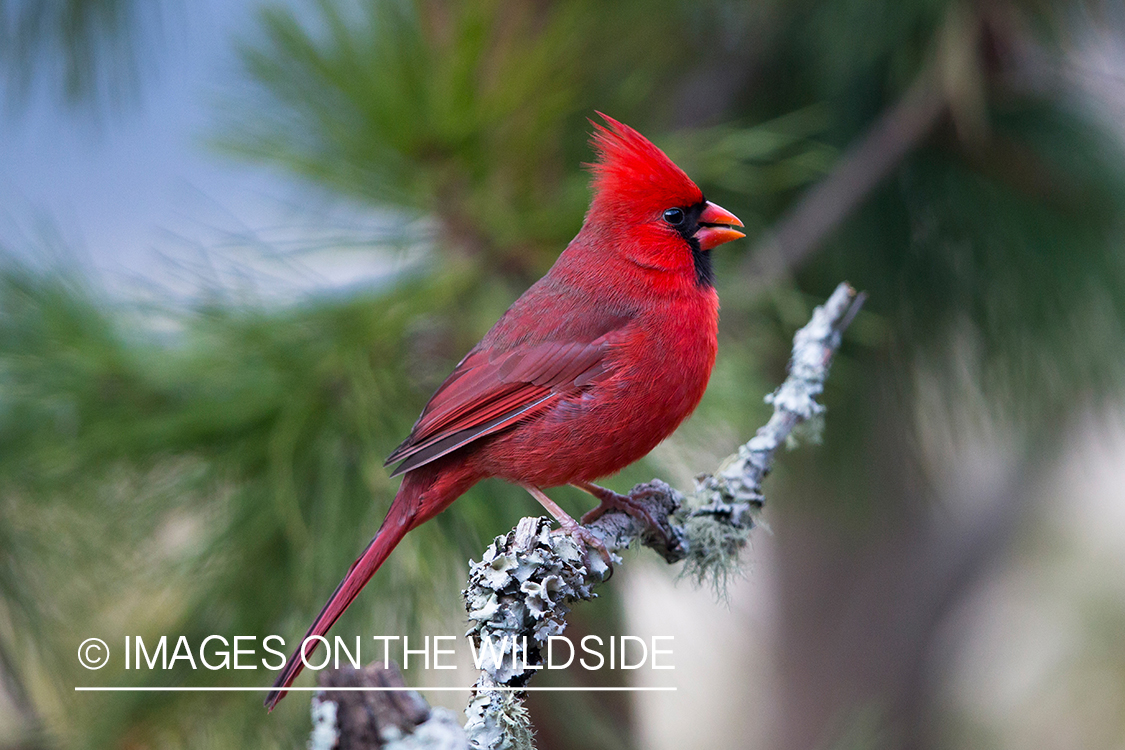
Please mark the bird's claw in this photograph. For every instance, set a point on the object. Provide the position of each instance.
(631, 506)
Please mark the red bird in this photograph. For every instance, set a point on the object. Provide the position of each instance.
(595, 364)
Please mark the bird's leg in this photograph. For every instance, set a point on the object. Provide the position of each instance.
(569, 525)
(611, 500)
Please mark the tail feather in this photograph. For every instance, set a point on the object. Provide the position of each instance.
(399, 521)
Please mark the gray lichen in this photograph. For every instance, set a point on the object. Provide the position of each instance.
(498, 721)
(520, 593)
(518, 596)
(440, 732)
(324, 734)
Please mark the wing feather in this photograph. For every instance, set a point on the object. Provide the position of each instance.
(490, 392)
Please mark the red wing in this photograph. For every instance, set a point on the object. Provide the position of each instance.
(489, 392)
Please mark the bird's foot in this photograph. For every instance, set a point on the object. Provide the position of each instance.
(628, 504)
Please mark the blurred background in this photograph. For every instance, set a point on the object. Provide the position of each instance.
(241, 243)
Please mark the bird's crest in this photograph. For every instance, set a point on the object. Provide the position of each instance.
(631, 172)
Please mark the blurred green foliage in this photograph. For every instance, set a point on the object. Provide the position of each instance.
(219, 475)
(470, 112)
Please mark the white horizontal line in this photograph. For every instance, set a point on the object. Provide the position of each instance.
(151, 689)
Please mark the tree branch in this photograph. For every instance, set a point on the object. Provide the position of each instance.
(949, 85)
(861, 169)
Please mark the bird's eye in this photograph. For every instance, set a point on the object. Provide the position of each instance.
(674, 216)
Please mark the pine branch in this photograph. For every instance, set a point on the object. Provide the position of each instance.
(949, 85)
(521, 591)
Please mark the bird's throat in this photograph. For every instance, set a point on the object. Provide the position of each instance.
(704, 270)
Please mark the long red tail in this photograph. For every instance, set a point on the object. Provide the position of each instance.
(401, 518)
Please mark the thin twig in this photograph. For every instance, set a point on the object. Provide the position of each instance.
(948, 85)
(859, 171)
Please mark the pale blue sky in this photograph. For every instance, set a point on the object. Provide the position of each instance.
(139, 194)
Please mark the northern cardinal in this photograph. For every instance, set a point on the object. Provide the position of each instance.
(595, 364)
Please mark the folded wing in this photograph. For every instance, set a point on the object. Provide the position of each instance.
(490, 392)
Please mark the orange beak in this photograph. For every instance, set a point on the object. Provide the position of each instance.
(716, 226)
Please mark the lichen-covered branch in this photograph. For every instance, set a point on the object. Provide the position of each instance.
(354, 710)
(720, 513)
(521, 591)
